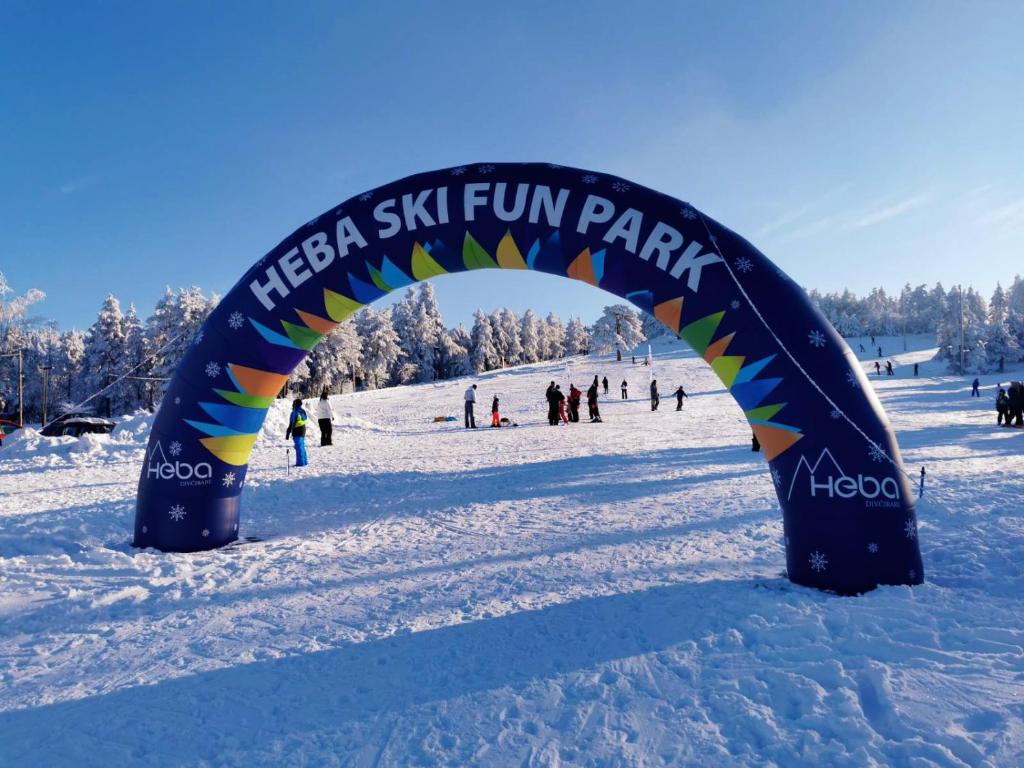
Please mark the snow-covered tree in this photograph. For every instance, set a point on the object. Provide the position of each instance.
(1001, 346)
(483, 354)
(418, 323)
(555, 338)
(380, 346)
(652, 327)
(530, 337)
(173, 327)
(618, 328)
(507, 331)
(105, 357)
(577, 338)
(454, 347)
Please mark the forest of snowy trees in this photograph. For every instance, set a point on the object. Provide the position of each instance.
(409, 342)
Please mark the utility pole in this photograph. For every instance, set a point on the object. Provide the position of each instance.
(45, 370)
(21, 388)
(961, 291)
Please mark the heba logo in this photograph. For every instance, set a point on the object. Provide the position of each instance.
(827, 479)
(160, 468)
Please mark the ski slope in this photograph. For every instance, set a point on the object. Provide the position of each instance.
(591, 595)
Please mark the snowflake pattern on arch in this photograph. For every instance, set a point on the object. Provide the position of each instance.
(228, 480)
(910, 528)
(852, 380)
(174, 448)
(145, 529)
(236, 320)
(206, 532)
(876, 453)
(818, 561)
(212, 369)
(836, 413)
(873, 548)
(366, 196)
(177, 513)
(200, 334)
(776, 477)
(735, 304)
(458, 171)
(743, 264)
(912, 573)
(816, 338)
(620, 186)
(485, 168)
(177, 401)
(589, 178)
(688, 213)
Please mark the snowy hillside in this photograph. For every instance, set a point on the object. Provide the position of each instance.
(593, 595)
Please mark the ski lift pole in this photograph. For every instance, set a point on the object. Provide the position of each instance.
(920, 490)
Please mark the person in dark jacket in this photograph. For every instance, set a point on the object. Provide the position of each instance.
(974, 388)
(655, 399)
(560, 404)
(604, 383)
(1002, 408)
(297, 432)
(888, 368)
(595, 413)
(1015, 410)
(574, 403)
(552, 405)
(624, 386)
(680, 394)
(878, 368)
(915, 369)
(495, 415)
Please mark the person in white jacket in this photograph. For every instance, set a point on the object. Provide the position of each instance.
(323, 418)
(470, 399)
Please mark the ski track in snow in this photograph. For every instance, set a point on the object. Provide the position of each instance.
(597, 595)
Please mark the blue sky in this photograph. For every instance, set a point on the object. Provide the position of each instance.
(856, 144)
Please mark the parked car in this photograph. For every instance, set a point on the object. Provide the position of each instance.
(77, 424)
(7, 427)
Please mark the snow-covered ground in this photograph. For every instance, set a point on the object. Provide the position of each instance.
(600, 594)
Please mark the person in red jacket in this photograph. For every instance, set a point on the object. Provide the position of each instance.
(560, 398)
(495, 416)
(574, 403)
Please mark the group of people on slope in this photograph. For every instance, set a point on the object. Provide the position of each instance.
(563, 410)
(298, 420)
(470, 417)
(1010, 405)
(888, 368)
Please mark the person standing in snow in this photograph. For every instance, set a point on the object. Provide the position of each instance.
(879, 351)
(1002, 408)
(552, 405)
(888, 368)
(604, 383)
(595, 414)
(560, 403)
(495, 415)
(915, 369)
(1015, 406)
(470, 400)
(574, 403)
(878, 368)
(655, 399)
(323, 419)
(974, 388)
(680, 394)
(297, 432)
(624, 386)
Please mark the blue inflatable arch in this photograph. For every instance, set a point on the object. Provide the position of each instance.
(848, 512)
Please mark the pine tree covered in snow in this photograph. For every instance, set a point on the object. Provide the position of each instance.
(105, 358)
(483, 355)
(173, 328)
(454, 346)
(530, 337)
(555, 338)
(577, 338)
(335, 360)
(381, 348)
(618, 328)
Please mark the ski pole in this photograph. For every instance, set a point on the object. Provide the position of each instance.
(287, 460)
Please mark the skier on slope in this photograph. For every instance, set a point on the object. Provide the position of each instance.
(878, 368)
(1002, 408)
(297, 432)
(323, 419)
(604, 383)
(974, 387)
(680, 394)
(655, 398)
(888, 368)
(624, 385)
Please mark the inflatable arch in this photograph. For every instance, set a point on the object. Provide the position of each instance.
(848, 511)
